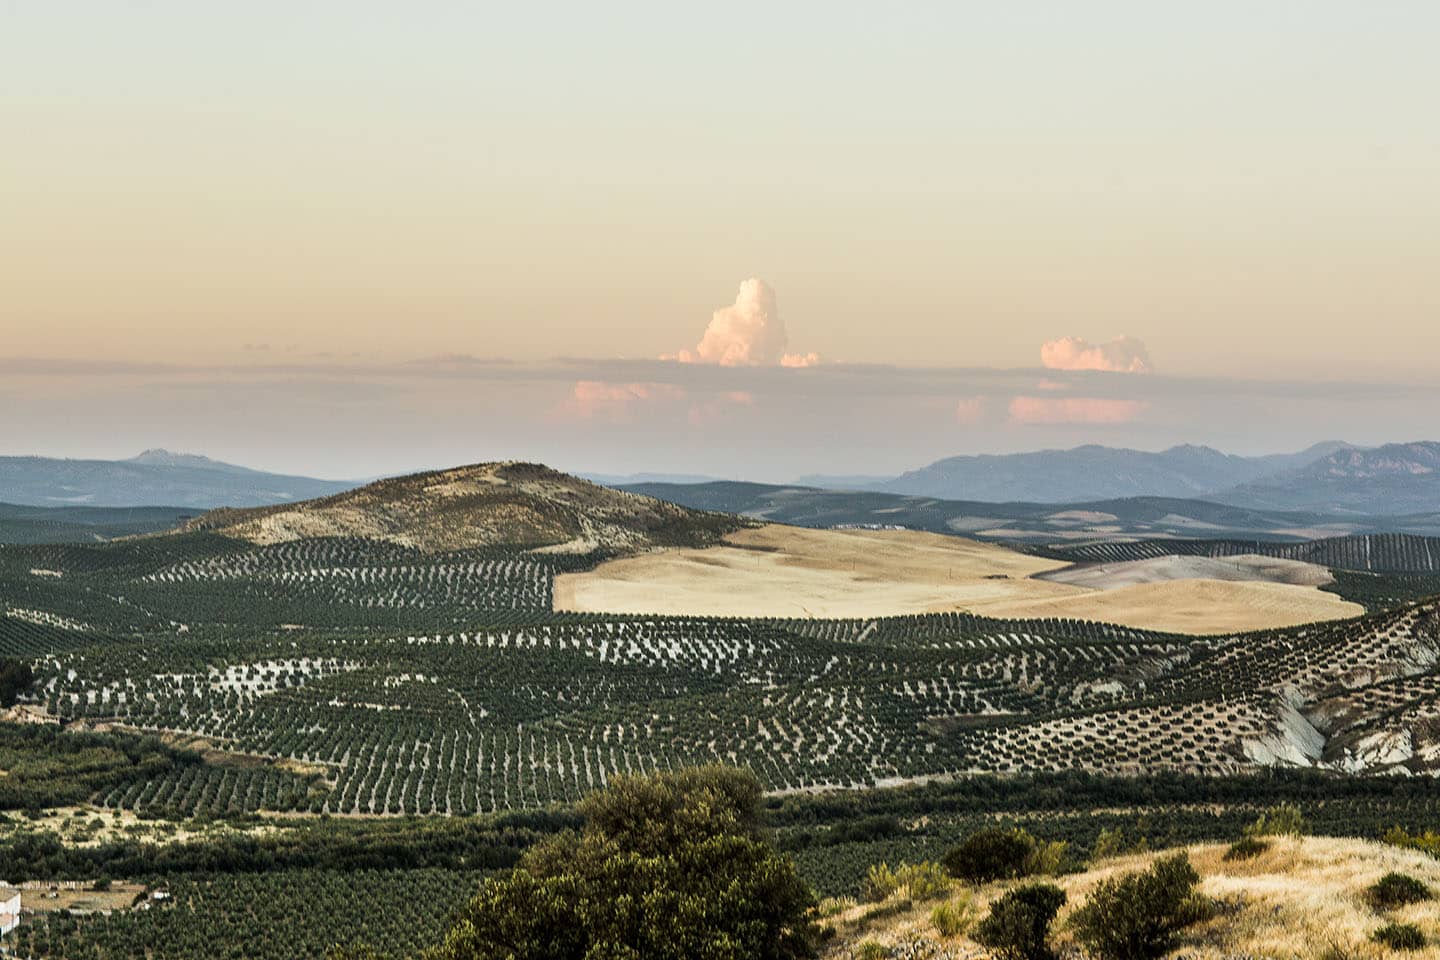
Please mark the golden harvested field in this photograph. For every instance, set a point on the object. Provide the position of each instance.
(1189, 606)
(779, 571)
(1304, 898)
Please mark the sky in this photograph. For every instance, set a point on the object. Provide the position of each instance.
(751, 239)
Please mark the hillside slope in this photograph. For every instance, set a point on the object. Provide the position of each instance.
(516, 505)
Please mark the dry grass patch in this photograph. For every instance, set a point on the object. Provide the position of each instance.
(1303, 898)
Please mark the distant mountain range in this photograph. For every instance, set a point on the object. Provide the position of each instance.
(1095, 473)
(154, 477)
(1328, 482)
(1331, 478)
(1397, 478)
(1124, 518)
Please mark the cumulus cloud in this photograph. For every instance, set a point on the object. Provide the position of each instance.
(1054, 410)
(747, 333)
(1121, 355)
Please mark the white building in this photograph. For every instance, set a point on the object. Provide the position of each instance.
(9, 909)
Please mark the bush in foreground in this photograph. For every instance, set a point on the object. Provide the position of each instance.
(954, 917)
(996, 853)
(1018, 925)
(1397, 890)
(1399, 936)
(1138, 916)
(668, 867)
(1246, 848)
(920, 882)
(1283, 820)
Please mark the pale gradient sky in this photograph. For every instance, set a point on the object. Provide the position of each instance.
(1250, 189)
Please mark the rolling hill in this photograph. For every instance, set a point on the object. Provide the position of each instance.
(510, 505)
(155, 477)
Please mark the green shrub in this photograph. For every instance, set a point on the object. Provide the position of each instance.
(1046, 857)
(1138, 916)
(926, 881)
(1283, 820)
(881, 882)
(996, 853)
(1246, 848)
(667, 867)
(1018, 925)
(1397, 890)
(1429, 841)
(1399, 936)
(917, 881)
(954, 917)
(1110, 843)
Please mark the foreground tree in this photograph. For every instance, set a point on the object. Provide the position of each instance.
(668, 867)
(15, 679)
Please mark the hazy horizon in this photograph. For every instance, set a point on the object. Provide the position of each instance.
(344, 240)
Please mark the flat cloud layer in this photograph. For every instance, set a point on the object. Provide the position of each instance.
(749, 332)
(1057, 410)
(759, 422)
(595, 398)
(1121, 355)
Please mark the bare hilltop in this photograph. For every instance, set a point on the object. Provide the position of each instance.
(508, 504)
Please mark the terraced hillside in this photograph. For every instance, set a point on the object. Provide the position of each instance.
(354, 675)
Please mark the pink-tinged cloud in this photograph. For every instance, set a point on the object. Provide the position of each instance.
(1055, 410)
(1121, 355)
(747, 333)
(590, 399)
(970, 410)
